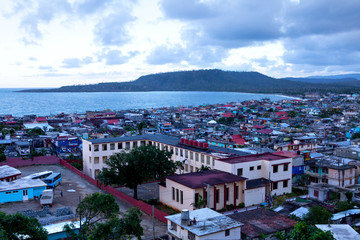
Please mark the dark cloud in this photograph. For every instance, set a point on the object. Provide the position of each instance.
(116, 57)
(324, 50)
(76, 62)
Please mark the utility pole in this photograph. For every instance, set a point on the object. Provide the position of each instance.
(153, 221)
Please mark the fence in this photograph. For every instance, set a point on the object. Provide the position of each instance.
(146, 208)
(19, 162)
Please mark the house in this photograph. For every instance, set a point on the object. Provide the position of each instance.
(352, 152)
(267, 170)
(298, 167)
(340, 231)
(23, 148)
(8, 173)
(202, 224)
(261, 221)
(331, 170)
(216, 188)
(66, 145)
(21, 190)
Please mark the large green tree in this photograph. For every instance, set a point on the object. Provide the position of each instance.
(138, 166)
(303, 231)
(317, 215)
(102, 220)
(18, 226)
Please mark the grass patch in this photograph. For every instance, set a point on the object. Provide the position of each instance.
(166, 209)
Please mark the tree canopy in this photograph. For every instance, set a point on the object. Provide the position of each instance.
(18, 226)
(303, 231)
(138, 166)
(102, 221)
(317, 215)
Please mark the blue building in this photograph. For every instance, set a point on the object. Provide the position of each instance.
(65, 145)
(21, 190)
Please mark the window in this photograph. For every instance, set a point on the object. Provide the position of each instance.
(186, 168)
(286, 167)
(196, 157)
(275, 185)
(172, 150)
(252, 168)
(186, 154)
(227, 232)
(7, 192)
(181, 197)
(173, 226)
(240, 172)
(316, 193)
(173, 193)
(96, 160)
(90, 148)
(104, 158)
(217, 195)
(112, 146)
(191, 155)
(275, 169)
(104, 147)
(142, 143)
(127, 145)
(89, 159)
(176, 151)
(191, 236)
(208, 160)
(177, 195)
(259, 167)
(96, 148)
(119, 145)
(181, 153)
(191, 168)
(202, 158)
(285, 184)
(213, 162)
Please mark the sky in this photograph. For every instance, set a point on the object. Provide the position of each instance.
(52, 43)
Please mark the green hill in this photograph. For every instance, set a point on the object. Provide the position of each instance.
(208, 80)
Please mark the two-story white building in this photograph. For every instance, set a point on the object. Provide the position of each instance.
(268, 169)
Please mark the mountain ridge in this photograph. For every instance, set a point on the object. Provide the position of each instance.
(210, 80)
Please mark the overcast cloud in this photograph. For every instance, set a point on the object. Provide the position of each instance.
(123, 39)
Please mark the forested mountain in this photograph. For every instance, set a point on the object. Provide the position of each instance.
(210, 80)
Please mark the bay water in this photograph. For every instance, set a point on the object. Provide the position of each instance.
(43, 104)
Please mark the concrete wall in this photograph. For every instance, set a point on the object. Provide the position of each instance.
(254, 196)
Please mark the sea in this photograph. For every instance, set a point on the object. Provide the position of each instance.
(47, 104)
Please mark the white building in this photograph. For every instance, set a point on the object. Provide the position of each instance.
(217, 189)
(97, 151)
(202, 224)
(269, 170)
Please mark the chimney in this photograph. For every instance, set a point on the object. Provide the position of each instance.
(185, 217)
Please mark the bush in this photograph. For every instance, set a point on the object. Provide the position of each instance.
(77, 165)
(241, 205)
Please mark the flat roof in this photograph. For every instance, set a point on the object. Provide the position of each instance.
(7, 171)
(207, 222)
(251, 158)
(59, 227)
(262, 221)
(21, 183)
(340, 231)
(170, 140)
(202, 178)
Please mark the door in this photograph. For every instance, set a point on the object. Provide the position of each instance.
(25, 195)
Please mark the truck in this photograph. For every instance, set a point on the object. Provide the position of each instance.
(47, 197)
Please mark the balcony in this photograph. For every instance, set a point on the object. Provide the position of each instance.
(316, 174)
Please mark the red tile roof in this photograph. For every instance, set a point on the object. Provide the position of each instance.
(254, 157)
